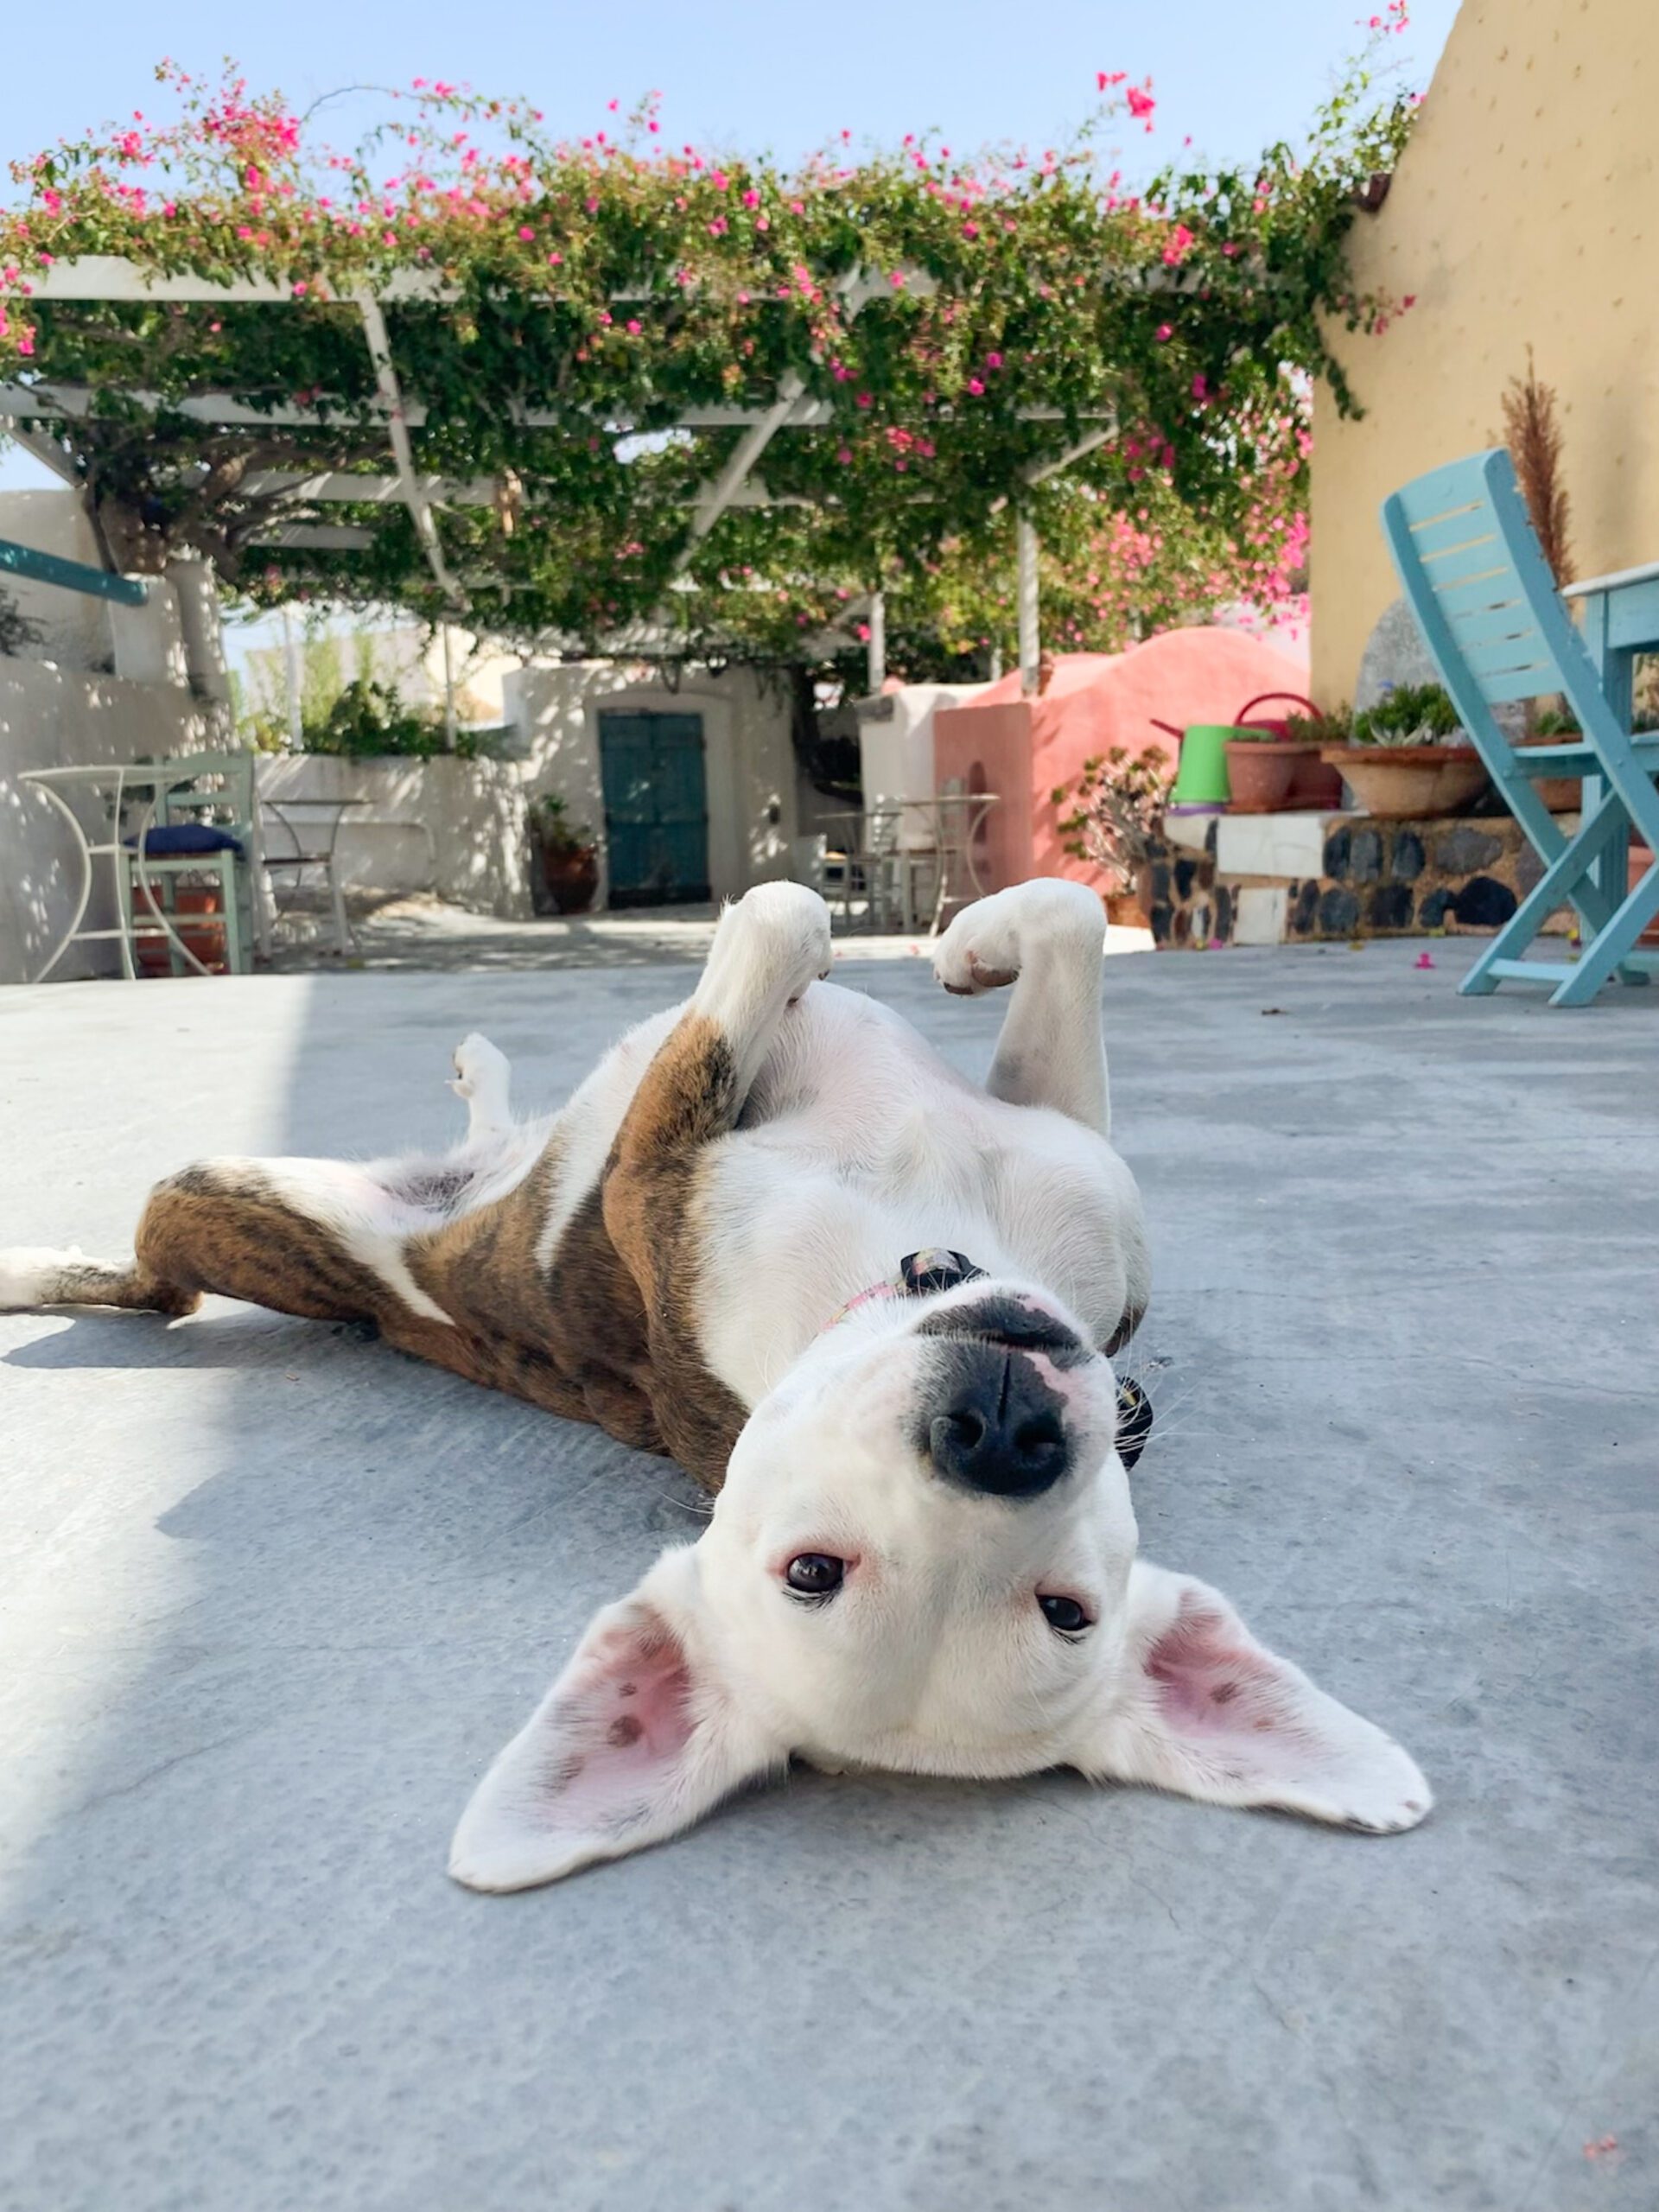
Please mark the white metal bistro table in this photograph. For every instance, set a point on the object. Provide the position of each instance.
(111, 783)
(874, 849)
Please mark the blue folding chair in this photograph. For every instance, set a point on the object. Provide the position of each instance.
(1496, 630)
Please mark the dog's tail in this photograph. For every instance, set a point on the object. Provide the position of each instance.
(32, 1276)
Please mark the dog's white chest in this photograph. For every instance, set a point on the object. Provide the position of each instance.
(862, 1145)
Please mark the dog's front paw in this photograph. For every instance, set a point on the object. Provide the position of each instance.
(988, 942)
(775, 940)
(480, 1067)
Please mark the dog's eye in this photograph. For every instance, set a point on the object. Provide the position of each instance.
(1065, 1614)
(815, 1574)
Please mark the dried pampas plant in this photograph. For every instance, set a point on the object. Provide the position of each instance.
(1533, 438)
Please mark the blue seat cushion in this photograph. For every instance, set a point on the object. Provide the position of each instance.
(171, 838)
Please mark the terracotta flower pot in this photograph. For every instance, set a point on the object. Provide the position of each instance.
(571, 875)
(1560, 794)
(205, 941)
(1409, 783)
(1127, 909)
(1260, 770)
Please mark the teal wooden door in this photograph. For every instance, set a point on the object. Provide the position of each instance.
(655, 807)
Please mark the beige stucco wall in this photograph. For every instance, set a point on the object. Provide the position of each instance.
(452, 827)
(750, 761)
(1525, 211)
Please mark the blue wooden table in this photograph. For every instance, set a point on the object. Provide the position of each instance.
(1620, 619)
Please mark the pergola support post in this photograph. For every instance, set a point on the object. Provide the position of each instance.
(876, 663)
(1026, 595)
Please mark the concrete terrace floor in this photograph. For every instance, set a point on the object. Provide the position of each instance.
(273, 1597)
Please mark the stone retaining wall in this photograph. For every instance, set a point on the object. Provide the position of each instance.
(1360, 877)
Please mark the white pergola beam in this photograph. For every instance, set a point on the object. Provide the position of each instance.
(95, 277)
(319, 536)
(338, 486)
(715, 498)
(76, 401)
(391, 398)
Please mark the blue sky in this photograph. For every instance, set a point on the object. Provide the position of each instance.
(1235, 73)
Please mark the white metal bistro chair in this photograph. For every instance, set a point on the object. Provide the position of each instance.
(300, 834)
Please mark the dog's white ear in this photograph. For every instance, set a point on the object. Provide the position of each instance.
(1207, 1711)
(637, 1738)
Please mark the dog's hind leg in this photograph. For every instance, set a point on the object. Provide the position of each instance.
(313, 1237)
(1045, 939)
(37, 1276)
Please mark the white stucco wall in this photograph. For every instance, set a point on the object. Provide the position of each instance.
(895, 750)
(749, 759)
(104, 683)
(55, 717)
(453, 827)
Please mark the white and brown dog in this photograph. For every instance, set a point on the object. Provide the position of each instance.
(870, 1305)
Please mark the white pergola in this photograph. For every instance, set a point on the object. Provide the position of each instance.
(111, 279)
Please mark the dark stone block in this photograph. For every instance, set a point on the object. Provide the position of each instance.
(1483, 903)
(1160, 880)
(1338, 914)
(1185, 868)
(1307, 906)
(1224, 915)
(1528, 868)
(1336, 852)
(1388, 906)
(1162, 916)
(1406, 864)
(1431, 915)
(1365, 856)
(1461, 851)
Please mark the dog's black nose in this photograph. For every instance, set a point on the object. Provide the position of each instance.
(997, 1426)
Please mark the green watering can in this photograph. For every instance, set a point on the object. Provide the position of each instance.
(1201, 778)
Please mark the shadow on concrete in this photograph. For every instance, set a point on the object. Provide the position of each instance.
(281, 1594)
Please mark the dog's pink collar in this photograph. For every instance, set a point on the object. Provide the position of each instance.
(935, 1268)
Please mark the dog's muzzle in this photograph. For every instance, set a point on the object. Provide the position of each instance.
(990, 1421)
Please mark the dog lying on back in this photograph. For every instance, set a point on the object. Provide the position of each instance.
(870, 1305)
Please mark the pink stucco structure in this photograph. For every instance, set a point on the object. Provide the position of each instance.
(1022, 748)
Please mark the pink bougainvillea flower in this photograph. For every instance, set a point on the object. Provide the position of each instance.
(992, 360)
(1425, 960)
(975, 385)
(1165, 332)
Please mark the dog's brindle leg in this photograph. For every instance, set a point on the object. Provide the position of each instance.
(766, 951)
(1046, 938)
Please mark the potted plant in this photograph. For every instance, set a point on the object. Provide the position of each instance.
(567, 857)
(1115, 818)
(1260, 767)
(1402, 762)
